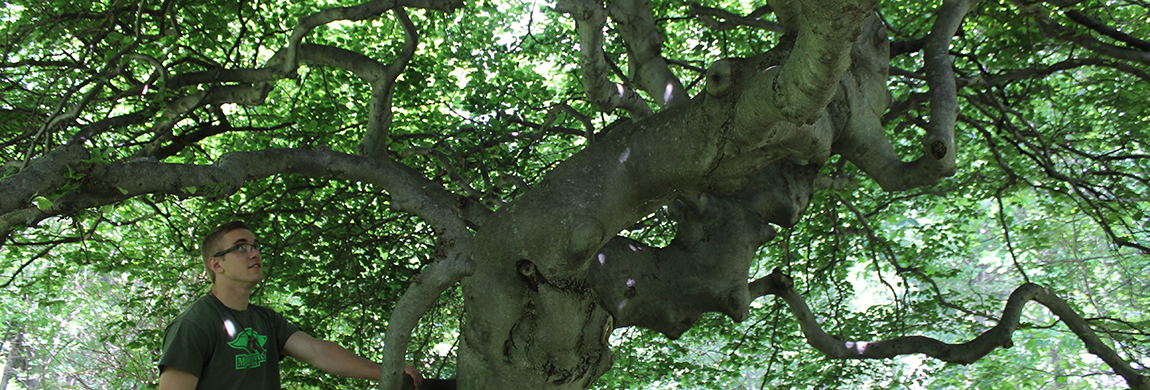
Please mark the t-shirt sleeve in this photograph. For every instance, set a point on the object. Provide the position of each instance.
(283, 329)
(187, 347)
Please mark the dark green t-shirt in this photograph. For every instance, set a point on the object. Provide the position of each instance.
(225, 348)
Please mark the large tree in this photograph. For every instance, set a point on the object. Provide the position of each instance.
(562, 170)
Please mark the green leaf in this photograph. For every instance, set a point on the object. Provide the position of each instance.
(42, 203)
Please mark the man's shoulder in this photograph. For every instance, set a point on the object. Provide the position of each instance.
(282, 326)
(262, 309)
(203, 309)
(268, 314)
(194, 323)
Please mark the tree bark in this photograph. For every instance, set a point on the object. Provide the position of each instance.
(533, 318)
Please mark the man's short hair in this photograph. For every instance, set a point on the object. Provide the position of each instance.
(211, 243)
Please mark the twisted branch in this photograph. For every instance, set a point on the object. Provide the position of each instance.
(363, 11)
(965, 353)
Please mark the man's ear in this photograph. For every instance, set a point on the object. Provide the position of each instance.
(214, 264)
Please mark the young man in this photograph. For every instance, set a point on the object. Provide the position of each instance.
(223, 342)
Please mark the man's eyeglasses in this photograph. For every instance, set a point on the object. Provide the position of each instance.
(241, 248)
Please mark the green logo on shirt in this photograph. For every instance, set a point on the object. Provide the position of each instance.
(253, 344)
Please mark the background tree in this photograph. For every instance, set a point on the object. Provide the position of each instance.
(496, 188)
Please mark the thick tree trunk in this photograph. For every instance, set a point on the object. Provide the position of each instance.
(534, 317)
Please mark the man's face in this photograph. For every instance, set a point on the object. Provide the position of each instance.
(241, 268)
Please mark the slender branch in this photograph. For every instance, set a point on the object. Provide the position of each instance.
(1053, 29)
(1102, 28)
(445, 162)
(529, 124)
(731, 20)
(1043, 71)
(159, 72)
(110, 67)
(243, 94)
(26, 264)
(204, 131)
(1006, 234)
(553, 113)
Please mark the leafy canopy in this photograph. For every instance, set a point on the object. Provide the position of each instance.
(1053, 172)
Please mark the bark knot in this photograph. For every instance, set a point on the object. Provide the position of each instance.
(938, 150)
(719, 81)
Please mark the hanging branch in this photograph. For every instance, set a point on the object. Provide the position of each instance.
(644, 42)
(863, 139)
(375, 139)
(605, 95)
(965, 353)
(423, 293)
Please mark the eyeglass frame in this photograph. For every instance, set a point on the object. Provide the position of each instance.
(238, 248)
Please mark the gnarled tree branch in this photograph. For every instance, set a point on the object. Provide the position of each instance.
(704, 269)
(590, 17)
(999, 336)
(862, 139)
(824, 33)
(363, 11)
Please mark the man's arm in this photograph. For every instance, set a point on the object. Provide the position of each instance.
(334, 359)
(173, 379)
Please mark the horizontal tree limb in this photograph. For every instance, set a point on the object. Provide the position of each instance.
(41, 176)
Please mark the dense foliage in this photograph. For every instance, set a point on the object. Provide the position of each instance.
(1051, 186)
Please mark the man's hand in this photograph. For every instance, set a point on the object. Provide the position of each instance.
(416, 376)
